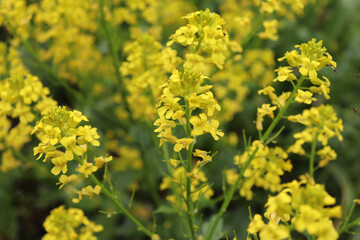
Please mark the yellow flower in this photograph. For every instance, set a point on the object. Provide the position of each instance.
(52, 135)
(64, 179)
(67, 223)
(202, 154)
(174, 162)
(60, 162)
(71, 147)
(87, 134)
(99, 161)
(86, 168)
(87, 191)
(183, 143)
(304, 97)
(200, 124)
(256, 224)
(266, 110)
(284, 74)
(270, 30)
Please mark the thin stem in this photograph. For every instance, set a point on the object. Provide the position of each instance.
(345, 225)
(115, 60)
(189, 203)
(107, 193)
(229, 196)
(254, 29)
(312, 156)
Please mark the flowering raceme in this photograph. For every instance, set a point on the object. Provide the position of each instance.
(311, 59)
(264, 170)
(302, 206)
(22, 97)
(207, 39)
(321, 124)
(144, 70)
(69, 224)
(63, 140)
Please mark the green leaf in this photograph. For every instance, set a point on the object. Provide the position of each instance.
(218, 232)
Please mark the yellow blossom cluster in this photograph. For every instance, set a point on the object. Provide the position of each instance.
(145, 69)
(264, 171)
(22, 98)
(64, 31)
(302, 206)
(208, 42)
(321, 124)
(69, 224)
(199, 186)
(63, 140)
(241, 17)
(141, 18)
(184, 93)
(311, 59)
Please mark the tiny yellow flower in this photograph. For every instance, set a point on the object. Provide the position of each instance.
(71, 147)
(304, 97)
(183, 143)
(267, 110)
(86, 168)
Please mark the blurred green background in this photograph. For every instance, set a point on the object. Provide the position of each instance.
(26, 197)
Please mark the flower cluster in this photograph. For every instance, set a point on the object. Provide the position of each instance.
(182, 94)
(264, 171)
(22, 97)
(136, 13)
(321, 124)
(63, 140)
(199, 186)
(69, 224)
(311, 59)
(73, 48)
(145, 69)
(302, 206)
(241, 17)
(207, 39)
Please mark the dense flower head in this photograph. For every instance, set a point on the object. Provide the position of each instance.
(69, 224)
(311, 59)
(304, 206)
(322, 124)
(265, 169)
(62, 140)
(145, 69)
(205, 36)
(185, 92)
(22, 97)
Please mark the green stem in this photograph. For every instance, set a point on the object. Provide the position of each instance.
(115, 60)
(189, 203)
(107, 193)
(345, 225)
(312, 157)
(254, 29)
(229, 196)
(350, 225)
(282, 110)
(269, 130)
